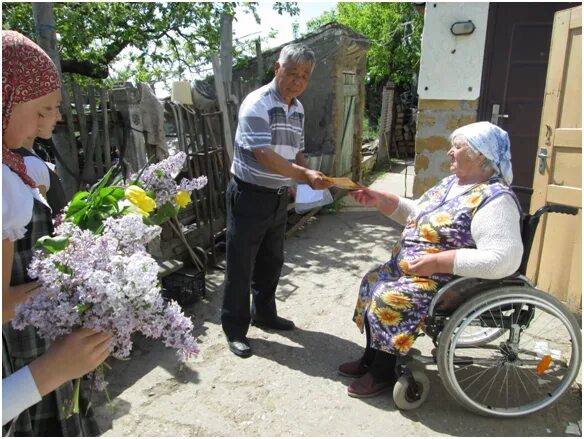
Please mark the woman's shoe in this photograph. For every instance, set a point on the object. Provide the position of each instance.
(367, 387)
(353, 369)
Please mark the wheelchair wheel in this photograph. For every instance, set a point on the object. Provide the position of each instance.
(404, 396)
(525, 370)
(477, 335)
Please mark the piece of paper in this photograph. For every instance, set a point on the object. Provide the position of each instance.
(305, 194)
(343, 183)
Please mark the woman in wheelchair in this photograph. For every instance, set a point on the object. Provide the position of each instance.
(466, 225)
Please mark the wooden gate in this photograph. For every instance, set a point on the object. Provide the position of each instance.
(556, 259)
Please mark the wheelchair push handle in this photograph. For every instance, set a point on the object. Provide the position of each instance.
(558, 208)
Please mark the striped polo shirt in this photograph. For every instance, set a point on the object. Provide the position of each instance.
(265, 121)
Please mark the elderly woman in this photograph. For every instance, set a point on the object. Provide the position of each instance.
(466, 225)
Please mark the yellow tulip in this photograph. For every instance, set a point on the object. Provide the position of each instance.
(137, 196)
(183, 198)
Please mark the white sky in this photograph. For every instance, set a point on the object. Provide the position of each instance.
(246, 24)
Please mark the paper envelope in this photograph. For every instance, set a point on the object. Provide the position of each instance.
(343, 183)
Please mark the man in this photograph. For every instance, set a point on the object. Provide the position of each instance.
(267, 157)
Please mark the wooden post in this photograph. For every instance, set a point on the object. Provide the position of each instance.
(64, 143)
(128, 103)
(107, 154)
(386, 124)
(219, 88)
(260, 63)
(226, 66)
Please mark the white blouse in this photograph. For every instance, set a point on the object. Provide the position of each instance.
(17, 202)
(19, 392)
(38, 171)
(496, 231)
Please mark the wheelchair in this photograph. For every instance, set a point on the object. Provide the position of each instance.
(502, 347)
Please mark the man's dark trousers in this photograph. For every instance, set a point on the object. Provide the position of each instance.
(256, 228)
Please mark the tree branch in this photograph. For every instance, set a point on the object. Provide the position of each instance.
(85, 68)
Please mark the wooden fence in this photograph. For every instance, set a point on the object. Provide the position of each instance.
(101, 127)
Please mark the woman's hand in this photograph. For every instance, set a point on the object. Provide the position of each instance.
(385, 202)
(430, 264)
(70, 357)
(424, 266)
(366, 197)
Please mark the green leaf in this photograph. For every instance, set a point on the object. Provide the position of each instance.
(52, 244)
(81, 308)
(63, 268)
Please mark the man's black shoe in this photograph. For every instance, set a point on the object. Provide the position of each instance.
(277, 323)
(240, 347)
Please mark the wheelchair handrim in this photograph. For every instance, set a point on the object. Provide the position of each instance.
(528, 408)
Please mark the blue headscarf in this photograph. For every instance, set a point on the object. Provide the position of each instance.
(492, 142)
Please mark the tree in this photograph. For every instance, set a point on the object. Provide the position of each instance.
(162, 39)
(394, 31)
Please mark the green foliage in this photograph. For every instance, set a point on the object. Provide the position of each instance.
(394, 31)
(369, 133)
(90, 209)
(164, 39)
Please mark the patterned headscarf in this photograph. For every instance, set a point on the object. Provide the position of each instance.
(27, 73)
(492, 142)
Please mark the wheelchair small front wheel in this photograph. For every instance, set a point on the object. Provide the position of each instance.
(405, 396)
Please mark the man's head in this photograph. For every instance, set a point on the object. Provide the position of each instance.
(293, 70)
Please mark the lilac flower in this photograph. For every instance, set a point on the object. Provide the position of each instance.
(159, 178)
(107, 283)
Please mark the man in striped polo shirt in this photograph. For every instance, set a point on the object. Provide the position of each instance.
(268, 156)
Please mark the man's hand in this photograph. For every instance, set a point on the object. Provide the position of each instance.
(317, 180)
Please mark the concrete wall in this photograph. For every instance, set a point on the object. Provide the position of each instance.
(449, 85)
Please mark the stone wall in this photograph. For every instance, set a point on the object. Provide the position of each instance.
(437, 119)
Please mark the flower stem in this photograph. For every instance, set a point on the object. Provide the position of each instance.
(178, 229)
(76, 396)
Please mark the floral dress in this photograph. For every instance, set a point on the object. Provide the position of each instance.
(396, 302)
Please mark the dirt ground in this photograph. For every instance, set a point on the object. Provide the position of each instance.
(290, 386)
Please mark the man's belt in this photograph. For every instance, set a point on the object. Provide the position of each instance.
(254, 187)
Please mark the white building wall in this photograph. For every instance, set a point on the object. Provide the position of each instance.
(451, 65)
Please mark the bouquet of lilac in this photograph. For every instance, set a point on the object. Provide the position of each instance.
(107, 283)
(96, 273)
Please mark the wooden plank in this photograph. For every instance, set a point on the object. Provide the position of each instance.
(71, 183)
(191, 123)
(222, 99)
(94, 171)
(568, 138)
(168, 266)
(107, 153)
(564, 195)
(81, 119)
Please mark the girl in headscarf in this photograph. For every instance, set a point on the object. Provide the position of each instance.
(30, 92)
(466, 225)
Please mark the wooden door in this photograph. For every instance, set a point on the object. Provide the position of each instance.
(516, 61)
(348, 123)
(556, 257)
